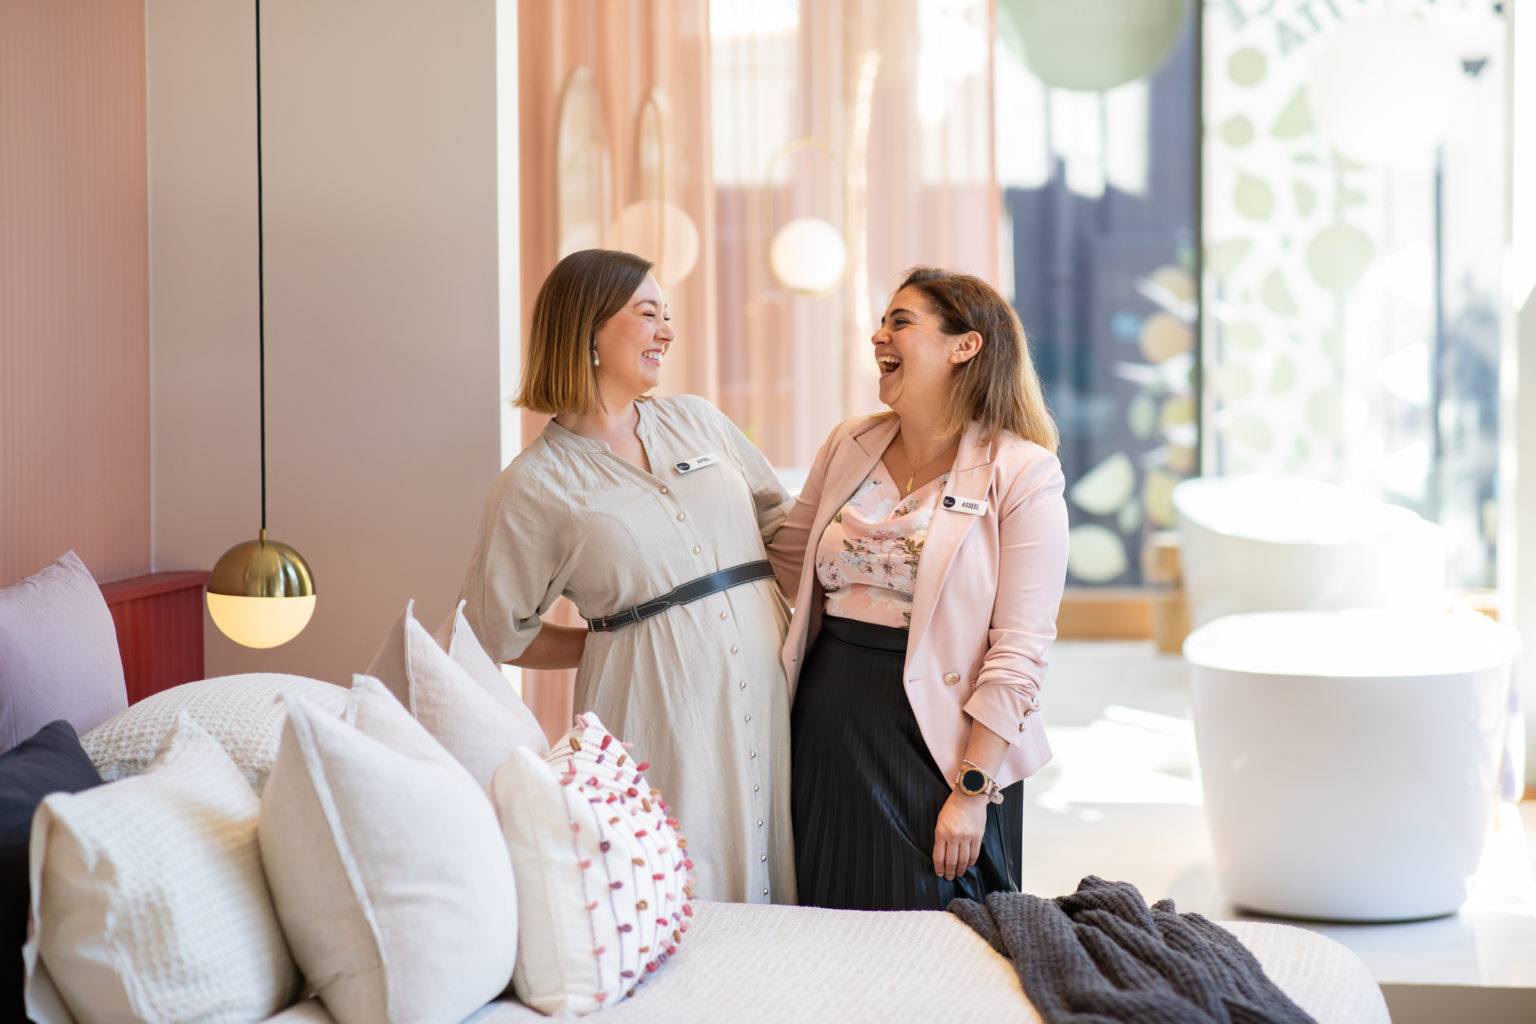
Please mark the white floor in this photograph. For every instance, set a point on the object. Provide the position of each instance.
(1122, 800)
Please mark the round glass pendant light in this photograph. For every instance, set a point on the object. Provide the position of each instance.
(1090, 47)
(261, 593)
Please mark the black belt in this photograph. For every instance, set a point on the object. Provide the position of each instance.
(715, 582)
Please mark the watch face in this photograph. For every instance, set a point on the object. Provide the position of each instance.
(972, 781)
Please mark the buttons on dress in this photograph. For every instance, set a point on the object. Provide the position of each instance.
(733, 648)
(741, 685)
(664, 489)
(759, 822)
(754, 787)
(763, 858)
(748, 718)
(695, 549)
(753, 753)
(722, 614)
(765, 892)
(681, 516)
(951, 678)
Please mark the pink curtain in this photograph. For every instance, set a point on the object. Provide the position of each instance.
(873, 116)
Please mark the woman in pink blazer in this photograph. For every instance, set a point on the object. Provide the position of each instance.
(925, 558)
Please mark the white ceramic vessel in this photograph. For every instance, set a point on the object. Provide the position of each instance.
(1258, 543)
(1350, 759)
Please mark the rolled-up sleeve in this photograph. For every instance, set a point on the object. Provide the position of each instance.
(518, 570)
(1032, 568)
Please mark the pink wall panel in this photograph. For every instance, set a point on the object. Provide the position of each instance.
(74, 287)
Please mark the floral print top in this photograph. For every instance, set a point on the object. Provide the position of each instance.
(867, 558)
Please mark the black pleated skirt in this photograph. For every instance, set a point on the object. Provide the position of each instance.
(866, 793)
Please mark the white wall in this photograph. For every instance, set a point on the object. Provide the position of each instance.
(383, 366)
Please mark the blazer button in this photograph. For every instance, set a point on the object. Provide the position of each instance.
(951, 678)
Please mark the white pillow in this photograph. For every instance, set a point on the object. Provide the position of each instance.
(148, 900)
(602, 884)
(477, 717)
(457, 638)
(386, 865)
(244, 713)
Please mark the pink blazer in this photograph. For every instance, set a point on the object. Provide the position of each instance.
(988, 586)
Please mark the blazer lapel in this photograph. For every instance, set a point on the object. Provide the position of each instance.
(848, 469)
(973, 479)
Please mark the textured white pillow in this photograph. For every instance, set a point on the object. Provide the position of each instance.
(244, 713)
(386, 865)
(602, 885)
(476, 715)
(148, 900)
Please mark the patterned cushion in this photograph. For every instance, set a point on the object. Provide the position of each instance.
(389, 874)
(244, 713)
(148, 899)
(602, 885)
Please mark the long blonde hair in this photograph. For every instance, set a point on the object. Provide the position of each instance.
(578, 297)
(998, 387)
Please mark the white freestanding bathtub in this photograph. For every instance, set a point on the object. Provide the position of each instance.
(1350, 759)
(1258, 543)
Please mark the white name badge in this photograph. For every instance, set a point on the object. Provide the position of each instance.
(970, 506)
(697, 462)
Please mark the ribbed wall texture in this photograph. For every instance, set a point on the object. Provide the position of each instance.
(159, 620)
(74, 287)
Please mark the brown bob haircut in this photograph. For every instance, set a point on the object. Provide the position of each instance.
(998, 386)
(578, 297)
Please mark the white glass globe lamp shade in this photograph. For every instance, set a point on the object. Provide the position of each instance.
(808, 255)
(261, 593)
(662, 232)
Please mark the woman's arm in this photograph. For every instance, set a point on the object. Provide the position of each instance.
(554, 647)
(520, 567)
(963, 819)
(1031, 572)
(787, 549)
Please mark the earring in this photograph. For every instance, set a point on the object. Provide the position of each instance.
(593, 346)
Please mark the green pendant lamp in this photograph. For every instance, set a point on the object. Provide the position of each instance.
(261, 593)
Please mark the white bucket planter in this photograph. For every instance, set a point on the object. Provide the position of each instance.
(1256, 543)
(1350, 759)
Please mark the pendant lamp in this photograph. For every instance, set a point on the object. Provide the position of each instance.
(261, 593)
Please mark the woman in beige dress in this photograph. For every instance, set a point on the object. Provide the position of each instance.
(621, 500)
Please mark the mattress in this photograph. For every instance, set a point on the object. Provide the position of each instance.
(790, 965)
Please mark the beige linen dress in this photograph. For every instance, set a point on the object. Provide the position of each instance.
(698, 690)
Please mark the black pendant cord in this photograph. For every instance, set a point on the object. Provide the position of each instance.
(261, 286)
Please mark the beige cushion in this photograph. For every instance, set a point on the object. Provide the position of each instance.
(148, 900)
(456, 637)
(603, 894)
(244, 713)
(386, 865)
(474, 713)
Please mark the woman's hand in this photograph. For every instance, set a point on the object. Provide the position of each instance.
(957, 834)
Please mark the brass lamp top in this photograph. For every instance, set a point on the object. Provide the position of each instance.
(262, 568)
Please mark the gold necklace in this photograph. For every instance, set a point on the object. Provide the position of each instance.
(908, 459)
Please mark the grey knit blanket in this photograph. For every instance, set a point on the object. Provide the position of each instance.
(1101, 955)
